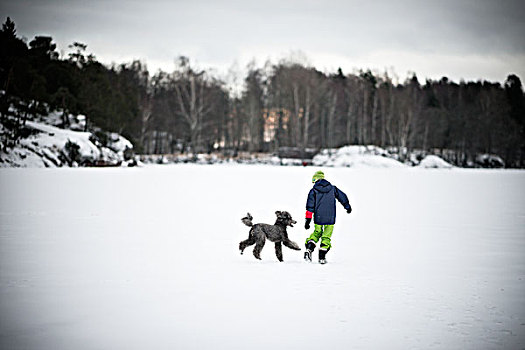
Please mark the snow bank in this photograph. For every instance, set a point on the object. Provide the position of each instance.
(434, 162)
(356, 157)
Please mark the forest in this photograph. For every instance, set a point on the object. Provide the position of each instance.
(284, 104)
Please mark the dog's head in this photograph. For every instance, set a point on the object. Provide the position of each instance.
(285, 218)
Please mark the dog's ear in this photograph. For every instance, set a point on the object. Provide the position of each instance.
(278, 213)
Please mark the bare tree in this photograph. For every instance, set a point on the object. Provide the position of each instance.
(409, 111)
(253, 107)
(193, 104)
(330, 127)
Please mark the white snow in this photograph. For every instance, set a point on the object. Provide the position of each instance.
(147, 258)
(356, 157)
(432, 161)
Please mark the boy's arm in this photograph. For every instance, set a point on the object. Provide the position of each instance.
(310, 202)
(310, 206)
(343, 199)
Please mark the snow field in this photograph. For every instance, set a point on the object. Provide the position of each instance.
(148, 258)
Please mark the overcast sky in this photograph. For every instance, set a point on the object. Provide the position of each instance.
(469, 39)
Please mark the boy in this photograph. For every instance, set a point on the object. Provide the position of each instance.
(321, 203)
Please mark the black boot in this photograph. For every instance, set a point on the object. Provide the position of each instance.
(322, 255)
(310, 246)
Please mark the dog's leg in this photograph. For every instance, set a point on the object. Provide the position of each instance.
(279, 251)
(258, 247)
(246, 243)
(290, 244)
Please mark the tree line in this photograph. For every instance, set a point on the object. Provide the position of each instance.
(284, 104)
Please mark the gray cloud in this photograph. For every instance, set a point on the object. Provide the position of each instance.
(219, 32)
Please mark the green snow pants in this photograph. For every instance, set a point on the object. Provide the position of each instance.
(324, 232)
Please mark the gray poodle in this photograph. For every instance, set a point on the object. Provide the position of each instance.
(275, 233)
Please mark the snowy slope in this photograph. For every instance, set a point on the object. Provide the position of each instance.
(46, 147)
(146, 258)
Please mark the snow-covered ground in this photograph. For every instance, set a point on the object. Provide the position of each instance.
(147, 258)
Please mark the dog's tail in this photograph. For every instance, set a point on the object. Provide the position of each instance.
(247, 220)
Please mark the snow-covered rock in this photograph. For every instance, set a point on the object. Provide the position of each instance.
(119, 144)
(434, 162)
(490, 161)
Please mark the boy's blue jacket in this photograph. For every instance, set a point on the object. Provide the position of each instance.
(321, 202)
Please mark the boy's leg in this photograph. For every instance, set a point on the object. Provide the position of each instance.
(311, 240)
(318, 231)
(326, 243)
(326, 237)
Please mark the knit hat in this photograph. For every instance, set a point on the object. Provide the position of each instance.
(318, 176)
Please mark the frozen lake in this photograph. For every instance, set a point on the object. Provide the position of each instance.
(147, 258)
